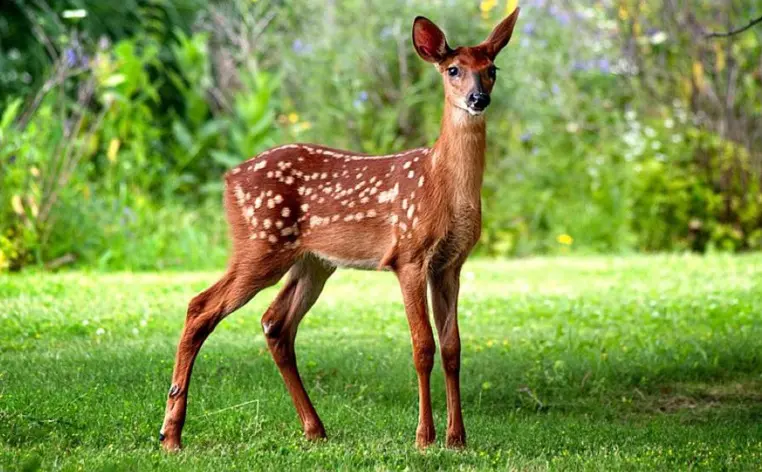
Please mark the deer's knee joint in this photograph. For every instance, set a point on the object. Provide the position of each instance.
(423, 354)
(272, 326)
(451, 349)
(196, 307)
(451, 363)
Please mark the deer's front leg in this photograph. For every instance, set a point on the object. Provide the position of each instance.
(412, 278)
(444, 293)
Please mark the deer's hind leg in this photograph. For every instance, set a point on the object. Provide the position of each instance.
(280, 322)
(243, 279)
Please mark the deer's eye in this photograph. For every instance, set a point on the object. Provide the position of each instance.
(492, 72)
(453, 71)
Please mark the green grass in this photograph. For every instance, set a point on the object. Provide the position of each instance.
(579, 363)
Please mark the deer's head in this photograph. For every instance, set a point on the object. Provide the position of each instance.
(469, 73)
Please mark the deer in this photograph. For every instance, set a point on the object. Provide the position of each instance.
(304, 210)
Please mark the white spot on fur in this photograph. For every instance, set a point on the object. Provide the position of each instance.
(239, 194)
(285, 212)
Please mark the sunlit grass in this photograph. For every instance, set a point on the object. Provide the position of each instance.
(572, 363)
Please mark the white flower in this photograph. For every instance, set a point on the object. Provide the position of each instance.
(100, 332)
(85, 322)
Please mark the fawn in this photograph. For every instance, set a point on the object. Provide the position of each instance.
(307, 209)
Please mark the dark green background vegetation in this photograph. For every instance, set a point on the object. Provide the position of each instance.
(617, 126)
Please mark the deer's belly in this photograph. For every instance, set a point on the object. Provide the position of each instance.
(358, 247)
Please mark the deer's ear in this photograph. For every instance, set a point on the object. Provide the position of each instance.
(429, 40)
(501, 35)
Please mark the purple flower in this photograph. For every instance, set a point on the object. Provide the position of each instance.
(299, 47)
(579, 65)
(526, 137)
(604, 65)
(556, 89)
(363, 96)
(71, 57)
(528, 29)
(563, 18)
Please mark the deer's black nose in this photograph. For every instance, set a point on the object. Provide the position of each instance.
(478, 100)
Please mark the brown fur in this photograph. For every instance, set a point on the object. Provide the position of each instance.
(306, 209)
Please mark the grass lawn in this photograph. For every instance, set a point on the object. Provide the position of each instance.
(577, 363)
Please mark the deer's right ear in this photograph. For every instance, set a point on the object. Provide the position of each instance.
(429, 40)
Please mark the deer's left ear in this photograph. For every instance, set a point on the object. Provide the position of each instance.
(429, 41)
(501, 35)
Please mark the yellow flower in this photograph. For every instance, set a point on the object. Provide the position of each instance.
(293, 118)
(486, 6)
(511, 5)
(113, 149)
(34, 171)
(565, 239)
(18, 207)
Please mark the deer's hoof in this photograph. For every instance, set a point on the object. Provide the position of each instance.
(456, 441)
(424, 437)
(314, 432)
(169, 444)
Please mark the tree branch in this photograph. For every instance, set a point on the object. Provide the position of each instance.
(735, 31)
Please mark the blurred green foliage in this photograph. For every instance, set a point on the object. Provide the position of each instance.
(616, 125)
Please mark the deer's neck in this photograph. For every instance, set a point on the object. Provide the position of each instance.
(458, 156)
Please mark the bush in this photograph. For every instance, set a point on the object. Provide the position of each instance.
(615, 126)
